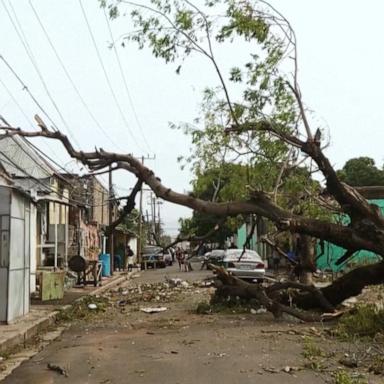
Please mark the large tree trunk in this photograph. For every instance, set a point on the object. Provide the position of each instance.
(351, 284)
(306, 253)
(277, 300)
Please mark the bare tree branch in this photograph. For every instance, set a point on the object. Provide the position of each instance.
(129, 206)
(259, 203)
(207, 236)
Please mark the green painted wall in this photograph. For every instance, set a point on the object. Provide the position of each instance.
(333, 252)
(242, 234)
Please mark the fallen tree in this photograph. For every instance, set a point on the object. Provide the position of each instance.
(272, 124)
(276, 298)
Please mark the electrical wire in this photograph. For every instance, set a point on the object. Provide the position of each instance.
(34, 146)
(36, 180)
(64, 178)
(25, 140)
(29, 52)
(106, 75)
(20, 33)
(13, 98)
(25, 88)
(60, 176)
(69, 77)
(125, 82)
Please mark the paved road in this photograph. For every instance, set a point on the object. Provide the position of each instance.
(178, 346)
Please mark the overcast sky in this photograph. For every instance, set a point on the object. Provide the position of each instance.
(340, 58)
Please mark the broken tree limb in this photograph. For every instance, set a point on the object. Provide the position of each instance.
(278, 249)
(316, 292)
(348, 197)
(348, 285)
(234, 287)
(208, 235)
(248, 239)
(129, 206)
(347, 255)
(303, 297)
(348, 237)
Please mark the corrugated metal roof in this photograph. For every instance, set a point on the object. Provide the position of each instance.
(20, 160)
(24, 165)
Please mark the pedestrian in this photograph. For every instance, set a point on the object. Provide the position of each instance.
(117, 262)
(129, 254)
(179, 256)
(275, 261)
(185, 262)
(172, 254)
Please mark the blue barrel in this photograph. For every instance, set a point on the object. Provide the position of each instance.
(105, 259)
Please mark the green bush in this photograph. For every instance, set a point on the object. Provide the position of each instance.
(366, 321)
(343, 377)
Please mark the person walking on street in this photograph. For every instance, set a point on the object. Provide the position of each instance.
(275, 261)
(179, 256)
(185, 262)
(129, 253)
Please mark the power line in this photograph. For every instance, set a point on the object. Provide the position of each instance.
(13, 98)
(125, 82)
(106, 74)
(30, 143)
(69, 77)
(20, 33)
(60, 176)
(70, 182)
(36, 180)
(25, 88)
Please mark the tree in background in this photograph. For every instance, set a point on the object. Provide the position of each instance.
(361, 171)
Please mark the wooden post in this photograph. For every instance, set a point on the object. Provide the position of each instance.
(139, 240)
(110, 220)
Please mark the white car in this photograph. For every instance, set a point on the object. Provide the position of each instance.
(213, 257)
(248, 265)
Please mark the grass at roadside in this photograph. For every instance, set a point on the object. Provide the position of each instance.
(84, 309)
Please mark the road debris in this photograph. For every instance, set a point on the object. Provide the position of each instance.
(288, 369)
(92, 306)
(350, 362)
(271, 369)
(153, 310)
(258, 311)
(58, 369)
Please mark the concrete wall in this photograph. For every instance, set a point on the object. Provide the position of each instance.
(15, 251)
(33, 247)
(100, 209)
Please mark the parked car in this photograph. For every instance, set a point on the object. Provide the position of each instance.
(168, 257)
(249, 267)
(152, 254)
(213, 257)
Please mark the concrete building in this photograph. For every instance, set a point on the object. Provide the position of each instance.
(16, 232)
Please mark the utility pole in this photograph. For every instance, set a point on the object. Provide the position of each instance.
(153, 213)
(147, 221)
(159, 203)
(139, 240)
(140, 234)
(110, 219)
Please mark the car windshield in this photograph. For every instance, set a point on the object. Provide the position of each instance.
(216, 253)
(234, 255)
(151, 250)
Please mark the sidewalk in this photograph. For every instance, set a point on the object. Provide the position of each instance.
(42, 315)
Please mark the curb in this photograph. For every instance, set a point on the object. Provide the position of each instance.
(40, 325)
(23, 336)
